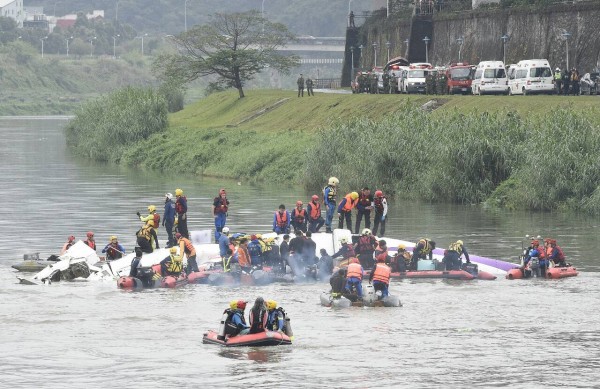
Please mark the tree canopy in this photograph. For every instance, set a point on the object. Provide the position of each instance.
(233, 47)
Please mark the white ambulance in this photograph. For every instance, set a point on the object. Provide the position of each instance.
(489, 78)
(529, 77)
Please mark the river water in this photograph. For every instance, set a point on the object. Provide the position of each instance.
(455, 334)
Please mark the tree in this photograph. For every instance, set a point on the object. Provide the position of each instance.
(234, 47)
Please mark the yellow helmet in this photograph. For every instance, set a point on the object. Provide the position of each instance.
(460, 242)
(333, 181)
(151, 208)
(353, 195)
(173, 250)
(113, 237)
(271, 304)
(178, 192)
(233, 304)
(401, 247)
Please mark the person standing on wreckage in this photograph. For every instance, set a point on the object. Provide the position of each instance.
(329, 200)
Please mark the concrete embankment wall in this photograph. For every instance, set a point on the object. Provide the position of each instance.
(533, 34)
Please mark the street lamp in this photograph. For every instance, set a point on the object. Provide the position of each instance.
(566, 35)
(504, 40)
(388, 45)
(115, 45)
(184, 17)
(360, 49)
(352, 71)
(406, 43)
(375, 45)
(262, 14)
(68, 39)
(92, 46)
(349, 6)
(426, 40)
(117, 12)
(143, 43)
(43, 39)
(460, 42)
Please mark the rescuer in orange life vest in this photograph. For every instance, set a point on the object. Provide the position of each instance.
(114, 250)
(186, 247)
(380, 276)
(70, 242)
(313, 209)
(556, 254)
(281, 221)
(220, 208)
(90, 240)
(345, 210)
(354, 275)
(298, 219)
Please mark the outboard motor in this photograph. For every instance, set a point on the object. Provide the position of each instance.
(471, 268)
(288, 327)
(534, 264)
(369, 295)
(221, 332)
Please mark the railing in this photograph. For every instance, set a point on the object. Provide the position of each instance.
(328, 83)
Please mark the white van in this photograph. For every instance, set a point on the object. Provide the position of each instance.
(414, 78)
(530, 76)
(490, 78)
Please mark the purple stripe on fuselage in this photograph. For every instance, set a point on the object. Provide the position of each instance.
(498, 264)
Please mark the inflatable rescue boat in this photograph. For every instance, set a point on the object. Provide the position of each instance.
(268, 338)
(370, 299)
(552, 273)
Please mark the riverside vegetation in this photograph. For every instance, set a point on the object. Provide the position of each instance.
(538, 152)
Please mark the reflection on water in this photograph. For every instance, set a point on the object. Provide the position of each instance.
(450, 333)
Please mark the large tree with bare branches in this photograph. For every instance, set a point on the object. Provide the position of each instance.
(234, 47)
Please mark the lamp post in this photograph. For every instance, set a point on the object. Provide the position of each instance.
(406, 43)
(504, 40)
(352, 69)
(349, 6)
(388, 45)
(262, 14)
(566, 35)
(360, 49)
(460, 42)
(92, 46)
(115, 45)
(375, 45)
(184, 17)
(68, 39)
(426, 40)
(56, 2)
(43, 39)
(143, 43)
(117, 12)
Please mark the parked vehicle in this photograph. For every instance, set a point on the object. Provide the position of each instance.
(489, 78)
(588, 84)
(530, 76)
(459, 77)
(413, 79)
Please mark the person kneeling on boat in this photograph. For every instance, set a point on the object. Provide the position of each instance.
(276, 317)
(346, 250)
(186, 247)
(114, 250)
(534, 251)
(171, 265)
(380, 276)
(258, 316)
(235, 324)
(338, 283)
(146, 236)
(354, 275)
(135, 262)
(453, 254)
(401, 261)
(556, 255)
(423, 249)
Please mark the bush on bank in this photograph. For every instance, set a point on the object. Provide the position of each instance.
(103, 129)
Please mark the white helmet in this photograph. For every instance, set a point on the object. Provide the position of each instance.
(344, 240)
(169, 196)
(366, 231)
(333, 181)
(225, 230)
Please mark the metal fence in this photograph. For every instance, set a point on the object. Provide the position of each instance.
(328, 83)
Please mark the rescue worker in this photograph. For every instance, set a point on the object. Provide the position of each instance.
(296, 259)
(186, 247)
(298, 218)
(401, 261)
(223, 242)
(575, 82)
(309, 86)
(442, 83)
(113, 249)
(70, 242)
(169, 219)
(226, 260)
(313, 209)
(309, 250)
(258, 317)
(171, 265)
(235, 324)
(557, 255)
(345, 208)
(324, 266)
(430, 84)
(300, 83)
(275, 317)
(381, 207)
(281, 221)
(90, 240)
(329, 199)
(135, 262)
(566, 78)
(346, 251)
(453, 254)
(152, 215)
(181, 208)
(284, 249)
(364, 205)
(381, 251)
(255, 251)
(243, 256)
(380, 277)
(338, 283)
(535, 251)
(423, 249)
(354, 275)
(365, 247)
(557, 81)
(145, 236)
(220, 208)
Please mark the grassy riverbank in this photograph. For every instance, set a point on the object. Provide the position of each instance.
(464, 150)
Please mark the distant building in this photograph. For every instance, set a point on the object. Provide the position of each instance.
(70, 19)
(477, 3)
(13, 9)
(36, 22)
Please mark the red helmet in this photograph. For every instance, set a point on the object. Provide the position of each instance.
(354, 260)
(241, 304)
(177, 235)
(535, 243)
(315, 197)
(380, 258)
(378, 193)
(299, 203)
(222, 191)
(71, 238)
(90, 234)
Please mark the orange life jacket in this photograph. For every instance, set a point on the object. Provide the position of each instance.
(365, 244)
(91, 244)
(185, 245)
(561, 255)
(281, 219)
(381, 254)
(156, 220)
(354, 270)
(243, 257)
(349, 203)
(364, 200)
(349, 253)
(315, 210)
(299, 215)
(382, 273)
(221, 206)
